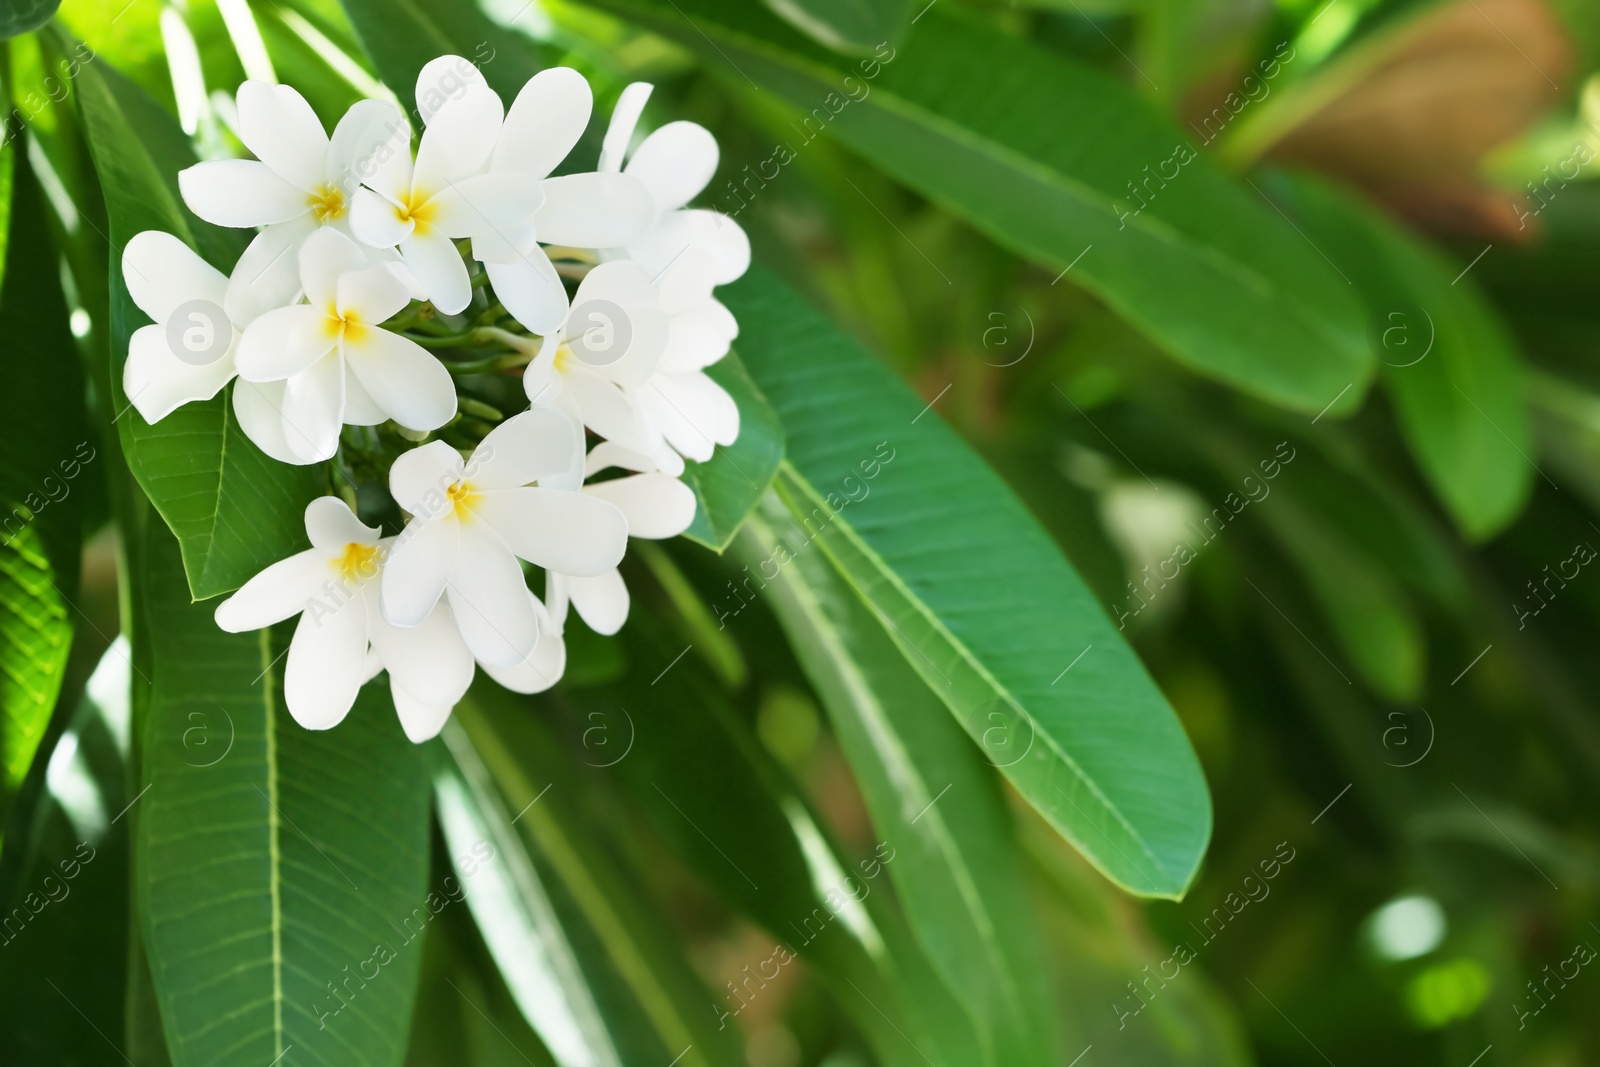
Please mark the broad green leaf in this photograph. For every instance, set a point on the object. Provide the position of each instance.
(64, 897)
(977, 597)
(653, 1006)
(508, 899)
(233, 509)
(401, 36)
(1069, 168)
(728, 485)
(846, 25)
(927, 790)
(1451, 367)
(281, 874)
(21, 16)
(699, 776)
(43, 454)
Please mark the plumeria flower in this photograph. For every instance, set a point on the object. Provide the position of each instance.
(334, 587)
(329, 362)
(589, 210)
(299, 181)
(188, 353)
(471, 521)
(614, 334)
(424, 206)
(675, 163)
(656, 505)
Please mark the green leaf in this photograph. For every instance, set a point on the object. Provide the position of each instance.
(697, 773)
(402, 36)
(43, 451)
(846, 25)
(234, 509)
(23, 16)
(928, 791)
(508, 899)
(653, 1005)
(729, 484)
(281, 874)
(971, 117)
(1451, 367)
(977, 597)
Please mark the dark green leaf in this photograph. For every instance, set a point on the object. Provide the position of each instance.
(282, 874)
(402, 36)
(1452, 369)
(929, 792)
(846, 25)
(973, 118)
(728, 485)
(21, 16)
(977, 597)
(234, 509)
(43, 452)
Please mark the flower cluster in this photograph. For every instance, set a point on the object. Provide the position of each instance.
(383, 304)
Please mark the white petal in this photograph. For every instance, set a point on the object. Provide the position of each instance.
(614, 327)
(610, 454)
(694, 228)
(434, 261)
(402, 378)
(686, 283)
(327, 659)
(359, 407)
(313, 410)
(490, 208)
(324, 257)
(595, 210)
(610, 412)
(161, 273)
(418, 568)
(490, 599)
(371, 145)
(624, 120)
(283, 343)
(459, 138)
(157, 382)
(259, 406)
(429, 661)
(531, 290)
(267, 276)
(543, 667)
(698, 339)
(279, 127)
(602, 601)
(526, 447)
(544, 123)
(446, 79)
(278, 592)
(373, 294)
(654, 504)
(332, 526)
(675, 163)
(694, 412)
(418, 478)
(240, 192)
(421, 722)
(572, 533)
(377, 222)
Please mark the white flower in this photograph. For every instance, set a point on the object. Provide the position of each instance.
(334, 588)
(424, 206)
(188, 353)
(299, 181)
(656, 505)
(588, 210)
(675, 163)
(328, 362)
(472, 520)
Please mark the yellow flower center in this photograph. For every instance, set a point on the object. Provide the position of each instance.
(416, 209)
(327, 203)
(462, 495)
(563, 358)
(347, 327)
(358, 562)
